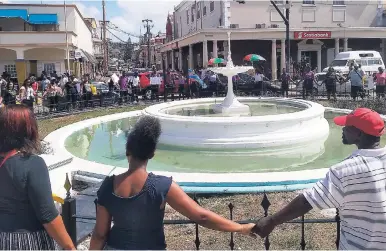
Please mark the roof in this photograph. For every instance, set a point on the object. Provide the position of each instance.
(14, 13)
(22, 5)
(43, 19)
(357, 54)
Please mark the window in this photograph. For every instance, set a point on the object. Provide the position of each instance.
(49, 68)
(187, 16)
(362, 62)
(309, 2)
(204, 11)
(211, 6)
(338, 2)
(198, 12)
(11, 69)
(338, 63)
(192, 12)
(374, 62)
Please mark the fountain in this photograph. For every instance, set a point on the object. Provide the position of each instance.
(276, 126)
(230, 105)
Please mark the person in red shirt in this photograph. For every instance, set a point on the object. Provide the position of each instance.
(380, 79)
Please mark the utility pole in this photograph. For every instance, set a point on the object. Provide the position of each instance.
(287, 30)
(287, 36)
(105, 42)
(67, 49)
(148, 26)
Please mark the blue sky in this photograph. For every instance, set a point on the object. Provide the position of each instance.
(126, 14)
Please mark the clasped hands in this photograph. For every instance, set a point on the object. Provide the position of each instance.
(262, 228)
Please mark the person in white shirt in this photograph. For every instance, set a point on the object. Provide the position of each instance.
(27, 94)
(3, 86)
(136, 86)
(356, 186)
(259, 77)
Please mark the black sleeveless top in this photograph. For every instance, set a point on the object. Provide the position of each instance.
(138, 220)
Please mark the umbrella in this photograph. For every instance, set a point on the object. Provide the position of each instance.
(213, 61)
(253, 58)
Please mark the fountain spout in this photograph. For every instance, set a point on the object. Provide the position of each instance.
(231, 105)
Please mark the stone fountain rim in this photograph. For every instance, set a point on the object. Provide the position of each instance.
(57, 138)
(312, 109)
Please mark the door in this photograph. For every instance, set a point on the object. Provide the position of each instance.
(310, 57)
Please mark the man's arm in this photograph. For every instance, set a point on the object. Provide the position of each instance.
(296, 208)
(327, 193)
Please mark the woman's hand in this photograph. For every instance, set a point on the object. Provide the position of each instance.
(246, 229)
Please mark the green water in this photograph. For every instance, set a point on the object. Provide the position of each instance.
(105, 143)
(256, 109)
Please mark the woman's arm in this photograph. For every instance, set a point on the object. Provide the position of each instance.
(101, 229)
(40, 197)
(182, 203)
(58, 232)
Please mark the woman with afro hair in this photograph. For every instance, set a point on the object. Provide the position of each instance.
(135, 200)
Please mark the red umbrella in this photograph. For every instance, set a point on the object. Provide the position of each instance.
(213, 61)
(253, 58)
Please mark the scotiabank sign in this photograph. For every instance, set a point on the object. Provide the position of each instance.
(312, 34)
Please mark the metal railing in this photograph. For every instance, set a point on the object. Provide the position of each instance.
(62, 105)
(70, 217)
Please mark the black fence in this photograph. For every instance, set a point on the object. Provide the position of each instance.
(71, 217)
(61, 105)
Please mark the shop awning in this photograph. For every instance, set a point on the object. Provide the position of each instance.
(90, 57)
(43, 18)
(14, 13)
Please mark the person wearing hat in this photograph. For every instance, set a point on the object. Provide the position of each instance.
(356, 186)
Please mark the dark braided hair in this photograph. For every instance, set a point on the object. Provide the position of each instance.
(143, 138)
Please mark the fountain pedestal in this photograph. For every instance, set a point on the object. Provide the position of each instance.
(230, 105)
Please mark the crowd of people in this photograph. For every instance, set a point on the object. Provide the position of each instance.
(51, 89)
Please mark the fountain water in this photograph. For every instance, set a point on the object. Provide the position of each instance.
(230, 105)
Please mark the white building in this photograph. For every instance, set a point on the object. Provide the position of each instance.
(318, 31)
(33, 39)
(96, 40)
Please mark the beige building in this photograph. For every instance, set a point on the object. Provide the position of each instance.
(318, 31)
(33, 39)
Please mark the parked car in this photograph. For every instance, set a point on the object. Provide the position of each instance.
(246, 84)
(104, 95)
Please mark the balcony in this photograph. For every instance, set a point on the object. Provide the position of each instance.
(36, 39)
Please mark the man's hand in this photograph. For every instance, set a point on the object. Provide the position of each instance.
(264, 227)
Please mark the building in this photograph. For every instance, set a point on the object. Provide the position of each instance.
(156, 44)
(33, 39)
(97, 43)
(318, 31)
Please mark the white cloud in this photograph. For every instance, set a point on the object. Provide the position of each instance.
(88, 11)
(138, 10)
(132, 12)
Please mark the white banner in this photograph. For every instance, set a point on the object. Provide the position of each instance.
(155, 80)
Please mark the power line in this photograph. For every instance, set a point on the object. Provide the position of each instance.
(148, 26)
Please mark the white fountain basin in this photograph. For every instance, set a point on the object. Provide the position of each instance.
(305, 130)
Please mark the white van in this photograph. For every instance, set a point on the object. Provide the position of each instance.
(369, 60)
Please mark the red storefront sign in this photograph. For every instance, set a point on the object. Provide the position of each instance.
(312, 34)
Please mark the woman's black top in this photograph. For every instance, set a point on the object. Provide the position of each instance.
(25, 194)
(138, 220)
